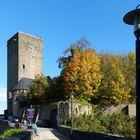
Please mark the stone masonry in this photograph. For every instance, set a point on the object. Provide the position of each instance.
(24, 60)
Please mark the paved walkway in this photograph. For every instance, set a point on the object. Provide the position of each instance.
(49, 134)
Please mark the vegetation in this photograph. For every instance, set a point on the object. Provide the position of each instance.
(44, 89)
(56, 90)
(38, 91)
(103, 79)
(82, 74)
(11, 132)
(117, 124)
(114, 87)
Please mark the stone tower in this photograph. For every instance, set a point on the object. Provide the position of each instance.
(24, 60)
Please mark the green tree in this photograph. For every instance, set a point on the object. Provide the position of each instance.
(56, 91)
(38, 92)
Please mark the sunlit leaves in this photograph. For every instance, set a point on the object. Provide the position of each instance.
(82, 74)
(114, 87)
(99, 78)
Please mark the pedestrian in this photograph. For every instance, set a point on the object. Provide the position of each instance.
(25, 122)
(36, 129)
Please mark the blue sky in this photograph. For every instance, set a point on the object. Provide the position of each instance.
(61, 23)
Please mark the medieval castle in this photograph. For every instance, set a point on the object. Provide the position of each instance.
(25, 60)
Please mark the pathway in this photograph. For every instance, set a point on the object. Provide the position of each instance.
(49, 134)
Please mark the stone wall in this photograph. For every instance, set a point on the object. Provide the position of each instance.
(30, 55)
(24, 57)
(18, 97)
(56, 112)
(12, 62)
(64, 110)
(84, 135)
(132, 110)
(24, 60)
(4, 125)
(46, 109)
(12, 68)
(129, 109)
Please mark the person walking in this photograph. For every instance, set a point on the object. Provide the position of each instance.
(36, 129)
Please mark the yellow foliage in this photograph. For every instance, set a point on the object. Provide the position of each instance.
(82, 74)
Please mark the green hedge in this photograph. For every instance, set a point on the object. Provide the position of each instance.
(11, 132)
(117, 124)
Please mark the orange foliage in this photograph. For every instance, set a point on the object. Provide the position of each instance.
(82, 74)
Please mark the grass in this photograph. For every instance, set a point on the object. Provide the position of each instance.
(11, 132)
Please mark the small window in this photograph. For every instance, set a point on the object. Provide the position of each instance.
(23, 66)
(76, 110)
(15, 39)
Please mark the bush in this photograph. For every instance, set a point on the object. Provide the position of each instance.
(104, 122)
(66, 121)
(118, 123)
(123, 125)
(11, 132)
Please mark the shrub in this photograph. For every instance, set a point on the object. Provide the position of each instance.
(123, 125)
(104, 123)
(118, 123)
(11, 132)
(66, 121)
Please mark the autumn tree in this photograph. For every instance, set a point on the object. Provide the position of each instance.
(114, 87)
(100, 78)
(81, 44)
(131, 75)
(81, 72)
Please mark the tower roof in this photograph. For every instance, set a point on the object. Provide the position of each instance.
(19, 32)
(23, 84)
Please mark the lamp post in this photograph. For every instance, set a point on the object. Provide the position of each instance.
(71, 98)
(133, 18)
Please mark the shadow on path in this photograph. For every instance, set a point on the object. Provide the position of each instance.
(59, 135)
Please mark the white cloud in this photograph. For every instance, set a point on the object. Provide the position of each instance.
(3, 94)
(3, 99)
(2, 110)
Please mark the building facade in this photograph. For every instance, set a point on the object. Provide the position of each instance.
(24, 61)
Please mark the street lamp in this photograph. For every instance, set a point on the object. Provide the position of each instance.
(71, 98)
(133, 18)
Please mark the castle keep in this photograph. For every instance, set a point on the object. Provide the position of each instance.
(24, 61)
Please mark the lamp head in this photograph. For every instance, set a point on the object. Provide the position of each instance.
(133, 18)
(71, 94)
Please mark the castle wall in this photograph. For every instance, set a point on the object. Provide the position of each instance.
(24, 60)
(30, 56)
(12, 62)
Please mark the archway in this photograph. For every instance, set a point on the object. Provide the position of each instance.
(53, 118)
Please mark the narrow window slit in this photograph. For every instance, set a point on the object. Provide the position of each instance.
(23, 66)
